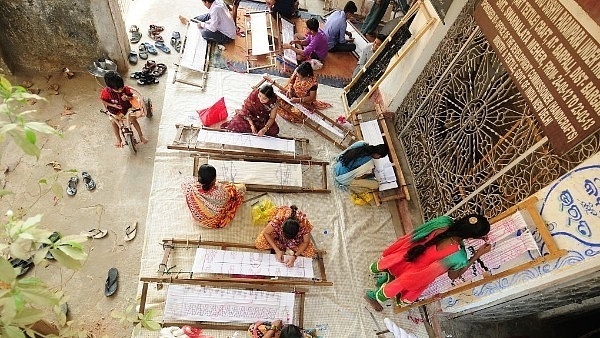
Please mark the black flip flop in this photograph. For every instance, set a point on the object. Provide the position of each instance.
(89, 181)
(72, 186)
(147, 79)
(23, 265)
(111, 284)
(53, 238)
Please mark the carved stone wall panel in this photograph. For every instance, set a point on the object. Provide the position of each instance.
(464, 121)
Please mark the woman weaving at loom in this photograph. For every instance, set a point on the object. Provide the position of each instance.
(353, 168)
(301, 88)
(257, 115)
(213, 204)
(288, 228)
(414, 261)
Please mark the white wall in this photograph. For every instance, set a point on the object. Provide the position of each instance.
(400, 80)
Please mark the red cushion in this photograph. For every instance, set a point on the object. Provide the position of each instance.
(214, 114)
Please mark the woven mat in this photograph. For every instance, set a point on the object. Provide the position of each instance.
(353, 236)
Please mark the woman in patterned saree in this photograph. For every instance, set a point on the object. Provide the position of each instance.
(257, 115)
(415, 260)
(212, 204)
(288, 228)
(301, 88)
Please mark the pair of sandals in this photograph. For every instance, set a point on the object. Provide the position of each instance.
(154, 33)
(176, 41)
(136, 36)
(150, 68)
(74, 180)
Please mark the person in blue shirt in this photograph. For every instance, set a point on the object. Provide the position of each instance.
(353, 168)
(335, 29)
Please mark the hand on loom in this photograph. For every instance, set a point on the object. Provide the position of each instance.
(289, 262)
(279, 255)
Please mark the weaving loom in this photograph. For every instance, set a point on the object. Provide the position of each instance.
(218, 141)
(194, 55)
(268, 174)
(513, 250)
(331, 130)
(259, 39)
(225, 306)
(388, 170)
(205, 254)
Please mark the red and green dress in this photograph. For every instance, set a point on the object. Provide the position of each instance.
(410, 279)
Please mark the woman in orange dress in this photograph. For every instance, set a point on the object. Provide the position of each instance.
(288, 228)
(301, 88)
(212, 204)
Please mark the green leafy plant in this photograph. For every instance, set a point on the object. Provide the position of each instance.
(14, 123)
(130, 315)
(28, 300)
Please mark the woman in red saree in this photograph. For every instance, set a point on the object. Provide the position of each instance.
(257, 115)
(212, 204)
(301, 88)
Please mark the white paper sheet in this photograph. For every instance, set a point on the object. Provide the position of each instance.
(246, 140)
(200, 303)
(287, 35)
(260, 35)
(262, 173)
(315, 117)
(249, 263)
(195, 49)
(384, 170)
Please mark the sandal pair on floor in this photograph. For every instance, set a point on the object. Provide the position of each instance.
(176, 41)
(74, 180)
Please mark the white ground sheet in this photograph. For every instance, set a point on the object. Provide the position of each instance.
(353, 236)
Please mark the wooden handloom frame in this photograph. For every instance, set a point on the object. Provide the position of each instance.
(187, 135)
(416, 6)
(200, 159)
(171, 244)
(342, 143)
(299, 293)
(249, 44)
(553, 253)
(402, 191)
(179, 64)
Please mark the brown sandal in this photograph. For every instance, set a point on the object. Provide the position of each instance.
(149, 67)
(159, 69)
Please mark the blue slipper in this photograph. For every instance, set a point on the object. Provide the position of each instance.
(162, 47)
(149, 48)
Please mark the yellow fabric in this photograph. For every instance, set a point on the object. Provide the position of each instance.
(261, 212)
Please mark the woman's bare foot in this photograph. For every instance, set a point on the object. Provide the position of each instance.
(143, 140)
(119, 144)
(183, 20)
